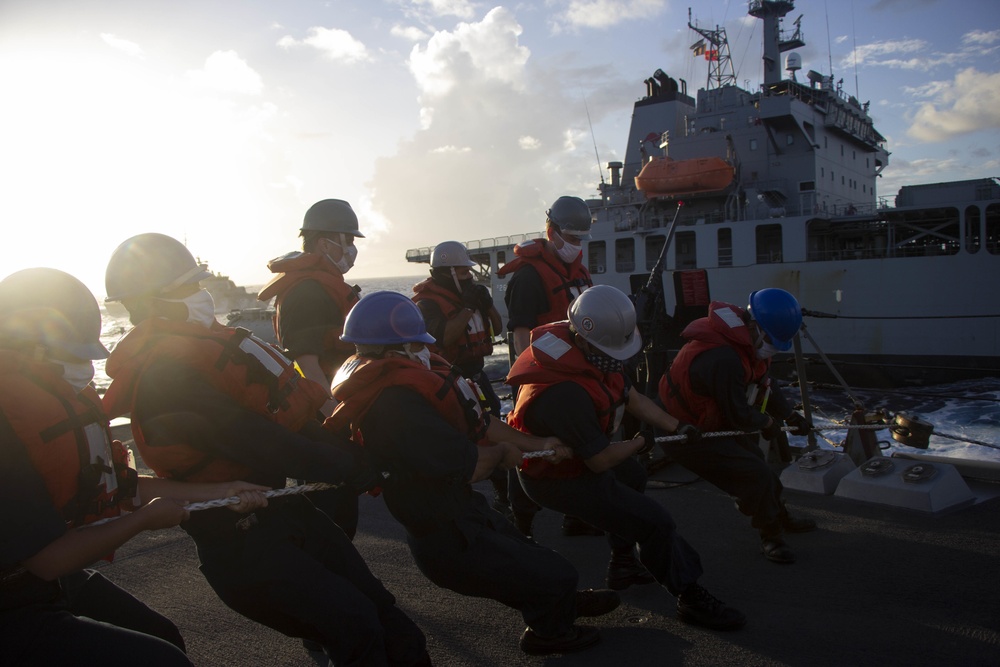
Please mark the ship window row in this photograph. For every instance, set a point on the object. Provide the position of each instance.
(920, 233)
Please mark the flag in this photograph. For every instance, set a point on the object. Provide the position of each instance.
(711, 54)
(698, 47)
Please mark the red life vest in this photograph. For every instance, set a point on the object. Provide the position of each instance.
(475, 342)
(297, 267)
(361, 380)
(67, 438)
(255, 374)
(552, 358)
(562, 282)
(724, 326)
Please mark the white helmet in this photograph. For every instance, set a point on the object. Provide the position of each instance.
(450, 253)
(605, 317)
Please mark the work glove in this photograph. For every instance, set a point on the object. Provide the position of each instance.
(690, 431)
(800, 425)
(470, 296)
(771, 431)
(649, 441)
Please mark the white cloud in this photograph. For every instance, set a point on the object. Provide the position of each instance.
(529, 143)
(981, 37)
(451, 149)
(226, 72)
(411, 33)
(123, 45)
(969, 103)
(336, 44)
(463, 9)
(607, 13)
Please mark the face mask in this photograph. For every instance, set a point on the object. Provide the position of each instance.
(423, 356)
(766, 351)
(346, 261)
(604, 363)
(77, 375)
(200, 305)
(569, 252)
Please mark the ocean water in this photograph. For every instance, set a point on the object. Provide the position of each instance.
(968, 410)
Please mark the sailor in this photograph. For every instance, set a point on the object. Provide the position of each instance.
(461, 317)
(213, 403)
(311, 301)
(545, 276)
(719, 381)
(60, 473)
(421, 421)
(571, 385)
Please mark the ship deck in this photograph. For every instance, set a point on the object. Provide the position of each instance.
(873, 586)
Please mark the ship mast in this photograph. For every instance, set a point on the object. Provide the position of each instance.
(720, 63)
(771, 12)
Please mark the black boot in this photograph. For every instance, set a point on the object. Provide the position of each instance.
(698, 606)
(773, 546)
(523, 522)
(795, 524)
(625, 570)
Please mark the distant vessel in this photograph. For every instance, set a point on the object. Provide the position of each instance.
(228, 295)
(895, 293)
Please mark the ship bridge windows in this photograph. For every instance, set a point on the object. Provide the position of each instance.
(625, 255)
(768, 244)
(991, 239)
(597, 257)
(686, 256)
(753, 144)
(972, 230)
(654, 246)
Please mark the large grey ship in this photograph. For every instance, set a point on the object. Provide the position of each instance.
(776, 187)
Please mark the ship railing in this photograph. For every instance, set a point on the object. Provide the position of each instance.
(478, 245)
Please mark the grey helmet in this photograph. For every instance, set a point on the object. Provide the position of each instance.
(331, 215)
(571, 215)
(605, 317)
(149, 265)
(50, 308)
(450, 253)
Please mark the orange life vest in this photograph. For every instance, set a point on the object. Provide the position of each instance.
(254, 373)
(361, 380)
(562, 282)
(297, 267)
(475, 343)
(553, 358)
(67, 439)
(725, 326)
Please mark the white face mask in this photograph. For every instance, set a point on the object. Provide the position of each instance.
(200, 305)
(569, 252)
(766, 351)
(77, 375)
(423, 356)
(346, 261)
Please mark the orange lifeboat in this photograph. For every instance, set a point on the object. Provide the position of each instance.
(666, 177)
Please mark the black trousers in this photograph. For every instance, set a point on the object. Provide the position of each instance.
(92, 621)
(485, 556)
(297, 572)
(737, 466)
(602, 501)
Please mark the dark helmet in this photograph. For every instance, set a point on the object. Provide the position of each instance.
(778, 314)
(605, 317)
(385, 318)
(150, 264)
(331, 215)
(571, 216)
(53, 309)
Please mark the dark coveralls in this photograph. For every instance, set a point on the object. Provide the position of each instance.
(288, 565)
(82, 614)
(736, 465)
(457, 540)
(566, 410)
(307, 314)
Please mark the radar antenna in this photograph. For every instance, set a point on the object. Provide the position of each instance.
(720, 62)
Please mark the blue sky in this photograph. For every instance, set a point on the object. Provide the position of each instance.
(220, 122)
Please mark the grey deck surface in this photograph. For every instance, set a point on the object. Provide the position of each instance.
(874, 586)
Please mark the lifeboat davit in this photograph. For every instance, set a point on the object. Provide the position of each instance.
(666, 177)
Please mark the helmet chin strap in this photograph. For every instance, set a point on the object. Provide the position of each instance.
(454, 276)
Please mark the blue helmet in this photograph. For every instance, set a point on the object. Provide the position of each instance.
(385, 318)
(778, 314)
